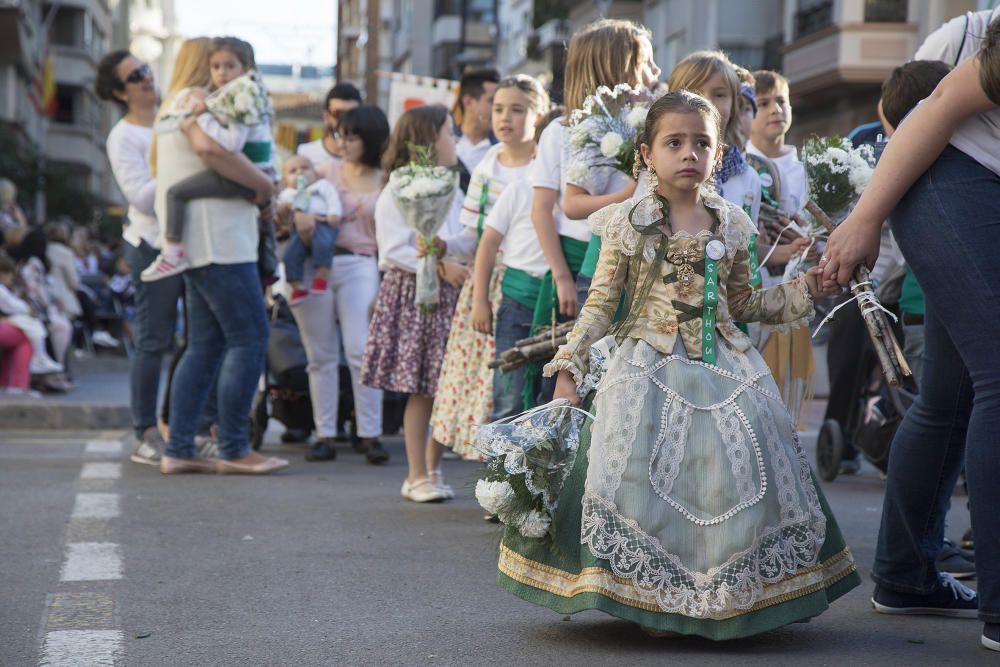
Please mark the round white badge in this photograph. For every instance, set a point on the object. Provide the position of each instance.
(715, 249)
(766, 180)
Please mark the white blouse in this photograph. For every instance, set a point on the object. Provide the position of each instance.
(397, 242)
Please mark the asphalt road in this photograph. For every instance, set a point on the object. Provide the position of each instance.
(326, 565)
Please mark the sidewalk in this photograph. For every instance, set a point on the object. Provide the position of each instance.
(101, 398)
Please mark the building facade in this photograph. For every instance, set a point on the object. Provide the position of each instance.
(838, 52)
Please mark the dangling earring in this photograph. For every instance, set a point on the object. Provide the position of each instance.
(636, 164)
(652, 182)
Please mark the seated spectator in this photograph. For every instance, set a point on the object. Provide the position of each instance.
(11, 215)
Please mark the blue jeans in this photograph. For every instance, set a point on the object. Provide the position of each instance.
(228, 336)
(320, 249)
(513, 323)
(948, 227)
(155, 315)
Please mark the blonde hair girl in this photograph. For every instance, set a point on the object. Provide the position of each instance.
(606, 52)
(465, 387)
(190, 71)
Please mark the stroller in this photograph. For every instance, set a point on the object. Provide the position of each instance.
(284, 390)
(874, 418)
(876, 411)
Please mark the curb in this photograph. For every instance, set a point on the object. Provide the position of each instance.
(63, 416)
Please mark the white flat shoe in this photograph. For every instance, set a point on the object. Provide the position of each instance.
(437, 479)
(423, 491)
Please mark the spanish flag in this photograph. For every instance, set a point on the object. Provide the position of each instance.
(43, 92)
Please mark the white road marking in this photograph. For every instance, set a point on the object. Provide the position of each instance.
(81, 647)
(104, 447)
(96, 506)
(92, 561)
(101, 470)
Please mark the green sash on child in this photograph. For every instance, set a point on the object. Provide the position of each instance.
(521, 286)
(257, 151)
(589, 266)
(547, 308)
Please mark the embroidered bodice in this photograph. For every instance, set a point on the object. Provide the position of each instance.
(664, 280)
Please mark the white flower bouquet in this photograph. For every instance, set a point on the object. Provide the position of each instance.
(837, 171)
(243, 100)
(424, 194)
(527, 460)
(605, 132)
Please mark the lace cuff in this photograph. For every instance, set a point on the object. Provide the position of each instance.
(557, 365)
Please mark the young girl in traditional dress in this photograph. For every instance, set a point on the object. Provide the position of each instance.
(406, 346)
(690, 507)
(465, 388)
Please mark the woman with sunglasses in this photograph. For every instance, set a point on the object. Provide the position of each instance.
(128, 82)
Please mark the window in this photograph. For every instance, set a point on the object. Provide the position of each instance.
(67, 104)
(885, 11)
(70, 27)
(813, 16)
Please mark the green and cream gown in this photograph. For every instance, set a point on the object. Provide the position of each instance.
(691, 507)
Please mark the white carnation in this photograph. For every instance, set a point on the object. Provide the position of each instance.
(493, 496)
(243, 101)
(637, 117)
(611, 144)
(533, 524)
(577, 173)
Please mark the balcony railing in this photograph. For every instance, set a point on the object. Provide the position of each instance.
(885, 11)
(814, 18)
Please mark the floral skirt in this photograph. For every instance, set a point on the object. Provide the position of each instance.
(464, 400)
(405, 347)
(690, 508)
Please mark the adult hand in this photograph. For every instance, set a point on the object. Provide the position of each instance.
(267, 210)
(305, 225)
(482, 317)
(453, 274)
(854, 242)
(566, 388)
(566, 292)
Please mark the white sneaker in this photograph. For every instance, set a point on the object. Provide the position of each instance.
(437, 479)
(43, 365)
(20, 391)
(424, 491)
(104, 339)
(162, 267)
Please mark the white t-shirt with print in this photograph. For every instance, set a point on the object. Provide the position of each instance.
(794, 192)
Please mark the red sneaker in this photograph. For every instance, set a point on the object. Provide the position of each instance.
(318, 286)
(298, 296)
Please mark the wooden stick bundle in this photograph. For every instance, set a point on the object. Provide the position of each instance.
(540, 347)
(890, 354)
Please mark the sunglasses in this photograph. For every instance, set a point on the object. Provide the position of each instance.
(137, 75)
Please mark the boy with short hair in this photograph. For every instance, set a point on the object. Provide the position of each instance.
(767, 138)
(475, 110)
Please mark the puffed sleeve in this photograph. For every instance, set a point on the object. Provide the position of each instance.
(788, 303)
(596, 315)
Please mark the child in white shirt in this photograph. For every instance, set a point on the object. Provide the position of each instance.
(305, 191)
(223, 117)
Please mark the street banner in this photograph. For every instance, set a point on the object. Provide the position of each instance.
(407, 91)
